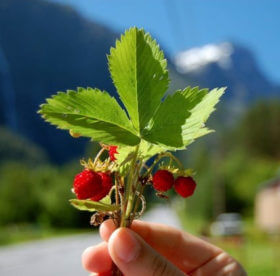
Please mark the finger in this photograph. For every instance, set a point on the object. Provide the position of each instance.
(106, 229)
(97, 258)
(222, 264)
(184, 250)
(135, 257)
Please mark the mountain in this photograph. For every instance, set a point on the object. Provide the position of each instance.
(226, 64)
(45, 48)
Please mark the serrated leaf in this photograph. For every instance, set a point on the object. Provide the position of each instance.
(91, 113)
(180, 118)
(194, 126)
(138, 69)
(93, 206)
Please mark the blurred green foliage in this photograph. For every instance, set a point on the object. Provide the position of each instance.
(39, 195)
(31, 189)
(259, 130)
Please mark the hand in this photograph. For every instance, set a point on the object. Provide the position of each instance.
(158, 250)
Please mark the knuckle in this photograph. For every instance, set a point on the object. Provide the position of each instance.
(233, 267)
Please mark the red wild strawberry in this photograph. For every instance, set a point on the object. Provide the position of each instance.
(106, 186)
(185, 186)
(87, 184)
(112, 152)
(163, 180)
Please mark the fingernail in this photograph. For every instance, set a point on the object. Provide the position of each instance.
(125, 245)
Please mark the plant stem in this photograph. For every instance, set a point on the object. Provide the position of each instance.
(149, 171)
(128, 194)
(170, 155)
(159, 157)
(98, 156)
(117, 189)
(141, 191)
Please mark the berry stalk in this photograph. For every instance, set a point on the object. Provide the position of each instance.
(128, 196)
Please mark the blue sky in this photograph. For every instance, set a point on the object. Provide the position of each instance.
(182, 24)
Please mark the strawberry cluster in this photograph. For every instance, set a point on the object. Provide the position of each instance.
(163, 180)
(95, 185)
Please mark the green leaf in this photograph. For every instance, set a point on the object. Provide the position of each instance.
(138, 69)
(180, 118)
(139, 72)
(91, 113)
(194, 126)
(106, 200)
(146, 151)
(92, 206)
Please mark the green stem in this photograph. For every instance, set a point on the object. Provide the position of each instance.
(175, 159)
(118, 181)
(159, 157)
(98, 156)
(136, 183)
(153, 165)
(128, 195)
(141, 191)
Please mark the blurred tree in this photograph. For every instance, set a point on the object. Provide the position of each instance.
(259, 130)
(199, 158)
(54, 192)
(243, 175)
(38, 195)
(18, 200)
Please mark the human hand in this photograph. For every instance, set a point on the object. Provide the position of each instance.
(156, 249)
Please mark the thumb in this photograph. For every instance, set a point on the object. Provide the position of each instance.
(135, 257)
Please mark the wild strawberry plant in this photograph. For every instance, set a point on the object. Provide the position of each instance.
(149, 125)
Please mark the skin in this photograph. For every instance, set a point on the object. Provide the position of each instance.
(157, 250)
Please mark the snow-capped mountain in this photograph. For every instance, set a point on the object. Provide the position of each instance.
(225, 64)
